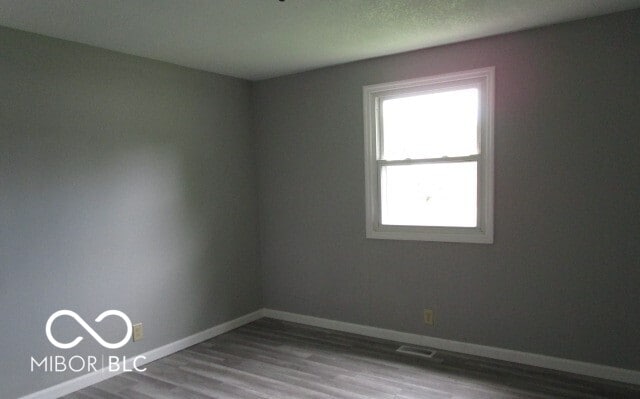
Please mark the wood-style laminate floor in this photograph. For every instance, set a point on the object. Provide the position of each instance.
(280, 360)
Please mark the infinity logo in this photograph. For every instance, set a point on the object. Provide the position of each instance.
(88, 328)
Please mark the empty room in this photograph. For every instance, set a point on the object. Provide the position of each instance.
(281, 199)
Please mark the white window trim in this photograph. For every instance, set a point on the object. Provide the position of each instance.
(484, 79)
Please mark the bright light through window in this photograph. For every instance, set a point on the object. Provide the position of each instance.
(430, 194)
(429, 158)
(431, 125)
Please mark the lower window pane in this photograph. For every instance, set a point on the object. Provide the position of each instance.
(438, 194)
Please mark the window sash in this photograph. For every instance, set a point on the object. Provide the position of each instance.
(479, 195)
(385, 162)
(412, 91)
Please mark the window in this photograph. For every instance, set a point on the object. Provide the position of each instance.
(429, 158)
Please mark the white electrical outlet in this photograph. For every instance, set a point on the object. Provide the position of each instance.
(428, 317)
(138, 332)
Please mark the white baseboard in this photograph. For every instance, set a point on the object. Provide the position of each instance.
(86, 380)
(532, 359)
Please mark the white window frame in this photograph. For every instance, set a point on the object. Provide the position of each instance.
(483, 79)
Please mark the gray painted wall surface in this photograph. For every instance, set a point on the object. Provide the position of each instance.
(125, 184)
(563, 276)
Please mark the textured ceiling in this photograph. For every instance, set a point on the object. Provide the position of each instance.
(257, 39)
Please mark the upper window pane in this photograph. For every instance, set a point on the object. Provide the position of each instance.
(430, 125)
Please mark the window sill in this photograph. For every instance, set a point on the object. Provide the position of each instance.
(436, 234)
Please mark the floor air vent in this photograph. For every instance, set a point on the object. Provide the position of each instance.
(417, 351)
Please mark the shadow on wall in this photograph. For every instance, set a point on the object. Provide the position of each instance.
(129, 230)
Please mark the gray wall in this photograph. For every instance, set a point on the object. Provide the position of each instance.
(125, 184)
(563, 276)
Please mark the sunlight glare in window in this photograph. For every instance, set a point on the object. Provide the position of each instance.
(431, 125)
(440, 194)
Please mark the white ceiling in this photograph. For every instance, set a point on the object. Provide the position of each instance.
(257, 39)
